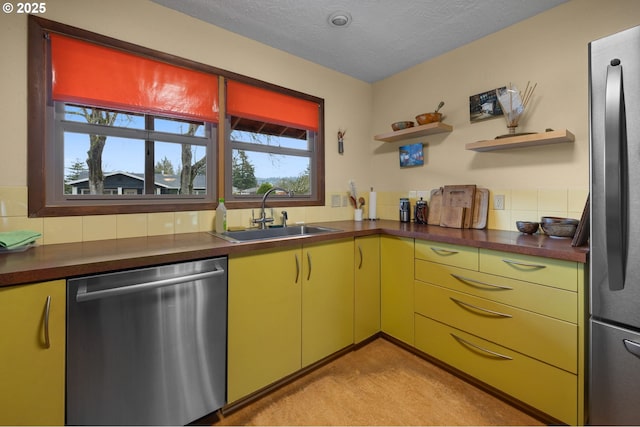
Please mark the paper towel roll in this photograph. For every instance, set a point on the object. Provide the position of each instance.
(372, 205)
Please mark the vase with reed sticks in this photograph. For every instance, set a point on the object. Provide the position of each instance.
(514, 103)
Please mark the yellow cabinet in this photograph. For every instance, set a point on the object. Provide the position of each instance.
(288, 308)
(367, 287)
(549, 301)
(446, 253)
(396, 282)
(540, 385)
(515, 322)
(32, 354)
(264, 324)
(545, 271)
(327, 299)
(540, 337)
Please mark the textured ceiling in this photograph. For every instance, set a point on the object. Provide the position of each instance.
(383, 38)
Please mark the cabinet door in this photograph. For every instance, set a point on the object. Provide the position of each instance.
(396, 275)
(367, 287)
(264, 319)
(32, 363)
(327, 299)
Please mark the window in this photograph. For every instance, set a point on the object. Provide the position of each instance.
(274, 141)
(163, 156)
(119, 128)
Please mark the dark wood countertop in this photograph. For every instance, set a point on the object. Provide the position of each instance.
(60, 261)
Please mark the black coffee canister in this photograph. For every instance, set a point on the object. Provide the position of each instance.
(405, 210)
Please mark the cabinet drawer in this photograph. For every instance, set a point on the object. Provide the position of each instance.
(546, 271)
(444, 253)
(540, 337)
(557, 303)
(549, 389)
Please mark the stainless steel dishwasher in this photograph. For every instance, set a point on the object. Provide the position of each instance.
(147, 346)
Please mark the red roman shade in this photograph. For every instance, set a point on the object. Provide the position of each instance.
(90, 74)
(251, 102)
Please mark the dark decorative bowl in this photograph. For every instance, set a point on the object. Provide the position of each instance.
(559, 229)
(527, 227)
(401, 125)
(558, 220)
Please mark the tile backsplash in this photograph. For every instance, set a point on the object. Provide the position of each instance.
(519, 204)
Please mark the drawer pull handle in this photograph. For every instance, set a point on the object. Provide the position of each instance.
(477, 347)
(441, 251)
(523, 264)
(474, 283)
(47, 311)
(475, 307)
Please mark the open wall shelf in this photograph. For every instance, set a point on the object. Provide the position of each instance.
(414, 132)
(551, 137)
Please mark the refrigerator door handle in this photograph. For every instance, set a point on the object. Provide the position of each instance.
(632, 347)
(614, 168)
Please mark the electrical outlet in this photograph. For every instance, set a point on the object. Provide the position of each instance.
(498, 202)
(335, 201)
(345, 201)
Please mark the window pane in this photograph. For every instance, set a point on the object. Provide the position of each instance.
(179, 127)
(120, 173)
(271, 140)
(252, 169)
(171, 177)
(101, 116)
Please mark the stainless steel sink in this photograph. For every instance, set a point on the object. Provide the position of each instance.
(273, 233)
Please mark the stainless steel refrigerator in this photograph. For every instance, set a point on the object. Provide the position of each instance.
(614, 95)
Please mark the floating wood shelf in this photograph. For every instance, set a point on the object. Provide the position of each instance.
(551, 137)
(422, 130)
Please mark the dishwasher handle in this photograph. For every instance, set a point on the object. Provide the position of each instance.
(83, 295)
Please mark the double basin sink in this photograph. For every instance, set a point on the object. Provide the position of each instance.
(274, 233)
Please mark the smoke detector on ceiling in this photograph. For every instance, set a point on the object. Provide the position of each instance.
(340, 19)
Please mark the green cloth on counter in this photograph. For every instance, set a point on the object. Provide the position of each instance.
(14, 239)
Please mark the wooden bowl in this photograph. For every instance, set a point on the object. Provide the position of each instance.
(527, 227)
(401, 125)
(426, 118)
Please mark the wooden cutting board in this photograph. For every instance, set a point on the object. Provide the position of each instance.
(480, 208)
(457, 206)
(435, 207)
(453, 216)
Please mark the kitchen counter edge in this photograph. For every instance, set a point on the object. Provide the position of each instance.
(65, 260)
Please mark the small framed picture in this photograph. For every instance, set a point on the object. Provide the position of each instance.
(411, 155)
(484, 106)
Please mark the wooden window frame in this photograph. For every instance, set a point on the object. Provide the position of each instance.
(41, 129)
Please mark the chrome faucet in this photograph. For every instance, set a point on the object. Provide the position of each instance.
(263, 220)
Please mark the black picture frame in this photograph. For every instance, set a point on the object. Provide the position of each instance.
(484, 106)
